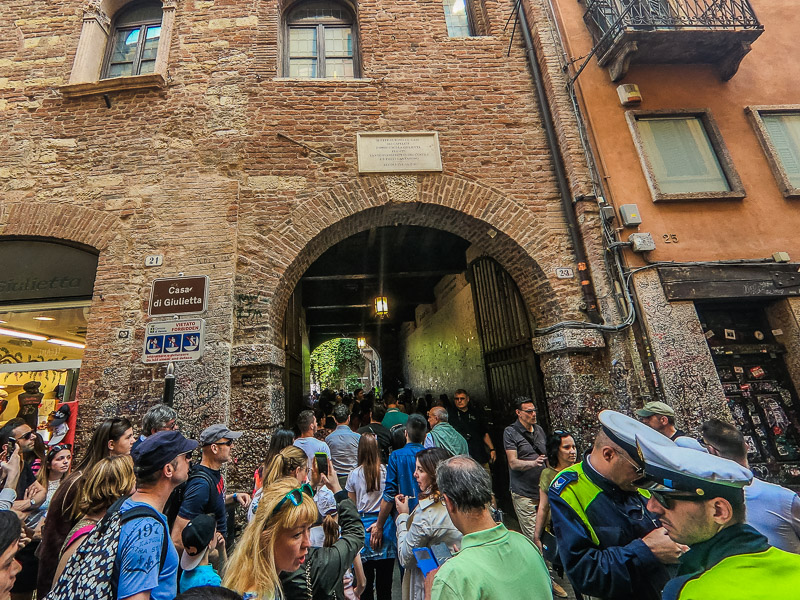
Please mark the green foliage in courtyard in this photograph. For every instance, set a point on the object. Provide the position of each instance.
(337, 364)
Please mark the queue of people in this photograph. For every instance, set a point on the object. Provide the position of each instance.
(336, 511)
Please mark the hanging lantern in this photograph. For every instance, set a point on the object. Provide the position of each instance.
(381, 306)
(362, 342)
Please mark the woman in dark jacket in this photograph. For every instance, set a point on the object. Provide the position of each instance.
(321, 576)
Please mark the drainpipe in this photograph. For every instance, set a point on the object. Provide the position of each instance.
(587, 287)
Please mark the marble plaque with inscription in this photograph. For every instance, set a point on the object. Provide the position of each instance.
(398, 152)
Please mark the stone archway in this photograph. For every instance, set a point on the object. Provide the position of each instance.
(516, 237)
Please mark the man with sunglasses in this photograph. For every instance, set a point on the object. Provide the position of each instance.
(205, 490)
(525, 444)
(700, 500)
(22, 434)
(611, 546)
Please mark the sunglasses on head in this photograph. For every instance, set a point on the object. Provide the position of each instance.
(295, 497)
(58, 448)
(668, 500)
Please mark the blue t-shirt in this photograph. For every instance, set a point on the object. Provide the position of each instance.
(199, 576)
(199, 498)
(139, 558)
(400, 474)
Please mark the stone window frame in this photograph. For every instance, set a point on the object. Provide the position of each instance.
(85, 77)
(284, 43)
(737, 191)
(776, 166)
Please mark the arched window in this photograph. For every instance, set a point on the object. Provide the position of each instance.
(320, 41)
(133, 45)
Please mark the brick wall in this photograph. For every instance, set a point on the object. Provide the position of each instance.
(199, 173)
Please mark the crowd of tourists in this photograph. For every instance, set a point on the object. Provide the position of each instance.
(362, 491)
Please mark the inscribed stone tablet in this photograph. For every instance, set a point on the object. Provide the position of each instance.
(398, 152)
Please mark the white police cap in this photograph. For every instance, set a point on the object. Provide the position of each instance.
(677, 469)
(623, 430)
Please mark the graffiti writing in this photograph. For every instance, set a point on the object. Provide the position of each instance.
(248, 309)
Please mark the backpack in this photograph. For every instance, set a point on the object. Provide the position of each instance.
(92, 573)
(173, 505)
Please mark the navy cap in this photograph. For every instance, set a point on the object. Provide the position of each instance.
(160, 449)
(197, 535)
(623, 431)
(61, 415)
(675, 469)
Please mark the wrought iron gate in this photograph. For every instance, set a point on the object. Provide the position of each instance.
(505, 333)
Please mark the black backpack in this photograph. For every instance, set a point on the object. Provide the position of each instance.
(173, 505)
(92, 573)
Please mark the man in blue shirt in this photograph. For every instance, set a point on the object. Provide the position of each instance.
(400, 475)
(343, 443)
(205, 490)
(307, 426)
(161, 464)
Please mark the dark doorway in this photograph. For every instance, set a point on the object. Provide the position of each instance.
(762, 400)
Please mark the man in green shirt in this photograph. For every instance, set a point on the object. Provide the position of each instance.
(394, 416)
(493, 563)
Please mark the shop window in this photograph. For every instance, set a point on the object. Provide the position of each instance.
(456, 16)
(320, 41)
(763, 402)
(778, 130)
(133, 45)
(684, 157)
(45, 298)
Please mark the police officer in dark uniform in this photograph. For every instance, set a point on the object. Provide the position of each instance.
(611, 546)
(700, 500)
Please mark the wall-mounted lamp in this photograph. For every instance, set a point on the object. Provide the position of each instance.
(362, 342)
(381, 306)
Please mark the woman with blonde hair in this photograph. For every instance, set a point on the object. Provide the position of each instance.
(289, 462)
(275, 541)
(107, 481)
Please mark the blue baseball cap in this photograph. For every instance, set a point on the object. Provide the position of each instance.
(160, 449)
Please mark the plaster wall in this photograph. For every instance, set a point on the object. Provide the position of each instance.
(442, 352)
(764, 221)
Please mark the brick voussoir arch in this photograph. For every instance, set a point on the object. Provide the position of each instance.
(447, 201)
(66, 222)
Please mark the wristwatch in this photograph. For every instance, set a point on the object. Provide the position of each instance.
(33, 502)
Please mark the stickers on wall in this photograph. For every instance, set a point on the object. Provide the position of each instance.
(709, 334)
(730, 334)
(757, 372)
(759, 335)
(738, 369)
(777, 332)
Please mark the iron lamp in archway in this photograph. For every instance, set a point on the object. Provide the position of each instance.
(382, 306)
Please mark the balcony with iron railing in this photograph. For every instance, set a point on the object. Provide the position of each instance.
(717, 32)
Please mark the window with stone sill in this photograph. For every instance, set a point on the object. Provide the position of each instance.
(320, 41)
(133, 45)
(778, 129)
(683, 156)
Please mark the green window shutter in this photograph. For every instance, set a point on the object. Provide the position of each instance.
(784, 133)
(680, 153)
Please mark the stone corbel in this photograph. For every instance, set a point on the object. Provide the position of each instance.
(728, 66)
(618, 60)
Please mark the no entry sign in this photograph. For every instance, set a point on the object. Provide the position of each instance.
(172, 341)
(178, 296)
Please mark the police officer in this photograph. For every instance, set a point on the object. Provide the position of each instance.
(611, 546)
(700, 500)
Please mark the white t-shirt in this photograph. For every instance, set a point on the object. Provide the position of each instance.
(365, 501)
(310, 445)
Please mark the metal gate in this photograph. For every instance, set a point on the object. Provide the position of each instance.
(505, 334)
